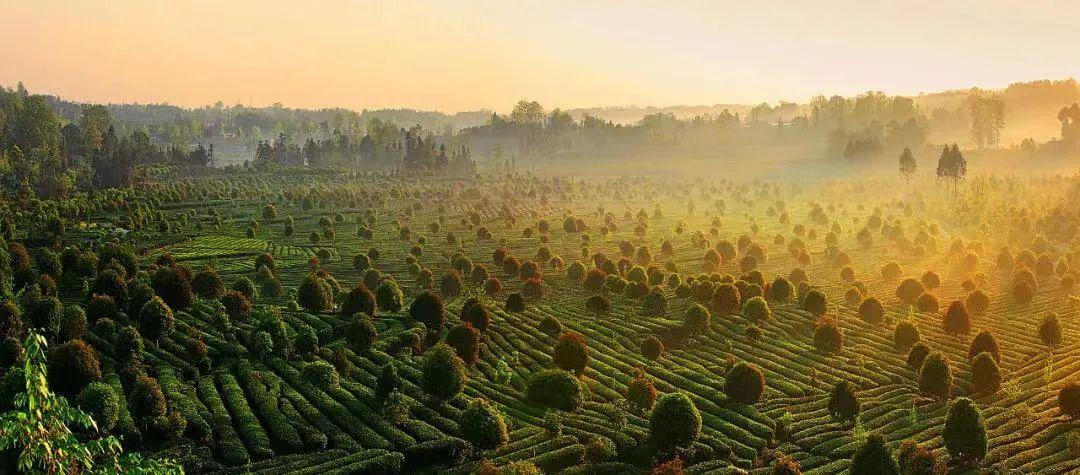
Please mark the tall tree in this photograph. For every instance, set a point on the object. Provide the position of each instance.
(907, 165)
(952, 165)
(987, 120)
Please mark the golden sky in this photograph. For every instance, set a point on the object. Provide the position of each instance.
(454, 56)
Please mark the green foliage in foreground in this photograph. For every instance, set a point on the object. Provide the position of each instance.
(40, 430)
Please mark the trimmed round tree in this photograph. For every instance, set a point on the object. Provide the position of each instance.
(985, 373)
(744, 383)
(984, 341)
(388, 295)
(815, 302)
(482, 425)
(146, 400)
(697, 319)
(640, 393)
(237, 306)
(756, 310)
(465, 340)
(515, 303)
(828, 337)
(914, 459)
(156, 320)
(360, 334)
(652, 348)
(207, 284)
(442, 373)
(476, 314)
(965, 432)
(427, 308)
(928, 303)
(315, 294)
(101, 402)
(556, 389)
(1069, 400)
(358, 300)
(675, 422)
(935, 376)
(173, 285)
(873, 457)
(571, 353)
(781, 290)
(598, 305)
(1050, 330)
(72, 366)
(871, 311)
(905, 335)
(844, 406)
(726, 299)
(956, 320)
(909, 290)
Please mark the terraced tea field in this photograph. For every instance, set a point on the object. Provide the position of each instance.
(295, 384)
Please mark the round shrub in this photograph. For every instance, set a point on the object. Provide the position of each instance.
(442, 373)
(492, 286)
(965, 432)
(360, 333)
(984, 341)
(476, 314)
(427, 308)
(571, 353)
(744, 383)
(935, 377)
(1050, 330)
(891, 271)
(917, 355)
(652, 348)
(465, 340)
(956, 320)
(909, 290)
(674, 422)
(697, 319)
(781, 290)
(515, 303)
(641, 393)
(844, 405)
(756, 309)
(927, 303)
(815, 302)
(315, 294)
(101, 402)
(914, 459)
(358, 300)
(828, 337)
(871, 311)
(873, 457)
(322, 375)
(146, 400)
(483, 426)
(207, 284)
(985, 373)
(905, 335)
(1069, 400)
(237, 306)
(556, 389)
(156, 320)
(388, 295)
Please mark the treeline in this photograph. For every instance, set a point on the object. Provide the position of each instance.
(44, 153)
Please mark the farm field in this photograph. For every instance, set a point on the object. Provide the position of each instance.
(548, 321)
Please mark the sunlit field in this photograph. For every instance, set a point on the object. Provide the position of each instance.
(799, 320)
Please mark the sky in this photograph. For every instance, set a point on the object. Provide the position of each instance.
(469, 55)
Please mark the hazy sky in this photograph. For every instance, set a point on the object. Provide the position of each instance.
(456, 56)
